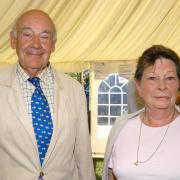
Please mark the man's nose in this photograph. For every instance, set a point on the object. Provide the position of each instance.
(36, 41)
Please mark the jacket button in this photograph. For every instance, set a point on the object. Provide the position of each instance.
(41, 174)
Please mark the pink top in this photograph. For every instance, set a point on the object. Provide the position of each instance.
(164, 165)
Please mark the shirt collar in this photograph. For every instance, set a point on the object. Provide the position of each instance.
(44, 75)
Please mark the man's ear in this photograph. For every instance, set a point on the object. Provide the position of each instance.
(53, 46)
(13, 40)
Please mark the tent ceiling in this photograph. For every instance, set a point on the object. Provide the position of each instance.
(98, 30)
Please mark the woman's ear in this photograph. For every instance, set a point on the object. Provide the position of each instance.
(138, 87)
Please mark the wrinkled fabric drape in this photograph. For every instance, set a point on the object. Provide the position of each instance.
(98, 30)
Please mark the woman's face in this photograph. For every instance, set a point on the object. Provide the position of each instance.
(159, 85)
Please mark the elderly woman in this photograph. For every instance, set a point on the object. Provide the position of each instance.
(145, 145)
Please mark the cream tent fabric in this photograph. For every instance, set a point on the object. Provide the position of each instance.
(98, 30)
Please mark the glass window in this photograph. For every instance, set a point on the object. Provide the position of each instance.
(102, 120)
(112, 120)
(103, 110)
(110, 81)
(103, 98)
(115, 98)
(115, 111)
(104, 87)
(115, 89)
(112, 99)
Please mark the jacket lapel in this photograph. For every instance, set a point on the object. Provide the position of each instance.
(15, 99)
(60, 101)
(16, 103)
(18, 106)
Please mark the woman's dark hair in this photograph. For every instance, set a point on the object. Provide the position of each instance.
(150, 56)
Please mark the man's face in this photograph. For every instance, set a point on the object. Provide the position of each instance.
(33, 42)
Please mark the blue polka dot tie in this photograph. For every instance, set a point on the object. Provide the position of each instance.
(41, 118)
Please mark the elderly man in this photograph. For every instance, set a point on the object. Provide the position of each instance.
(43, 119)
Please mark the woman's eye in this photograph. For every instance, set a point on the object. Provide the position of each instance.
(171, 78)
(151, 78)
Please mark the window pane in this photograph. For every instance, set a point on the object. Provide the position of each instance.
(124, 109)
(124, 98)
(103, 87)
(103, 99)
(125, 87)
(120, 81)
(102, 121)
(115, 111)
(102, 110)
(111, 80)
(115, 98)
(112, 120)
(115, 89)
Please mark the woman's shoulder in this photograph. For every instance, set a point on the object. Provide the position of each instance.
(120, 123)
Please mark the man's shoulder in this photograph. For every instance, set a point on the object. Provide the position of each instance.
(7, 72)
(7, 68)
(65, 79)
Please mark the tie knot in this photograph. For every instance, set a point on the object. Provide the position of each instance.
(35, 81)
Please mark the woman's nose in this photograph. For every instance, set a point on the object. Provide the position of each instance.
(162, 84)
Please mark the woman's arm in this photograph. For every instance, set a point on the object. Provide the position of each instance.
(111, 175)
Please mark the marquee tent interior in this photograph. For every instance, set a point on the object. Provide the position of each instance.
(104, 36)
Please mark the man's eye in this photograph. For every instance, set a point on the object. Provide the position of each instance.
(26, 34)
(45, 37)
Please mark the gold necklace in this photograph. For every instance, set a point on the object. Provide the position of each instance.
(137, 162)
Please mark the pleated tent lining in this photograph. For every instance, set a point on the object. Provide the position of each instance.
(98, 30)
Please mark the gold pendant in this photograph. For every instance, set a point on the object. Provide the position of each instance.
(136, 163)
